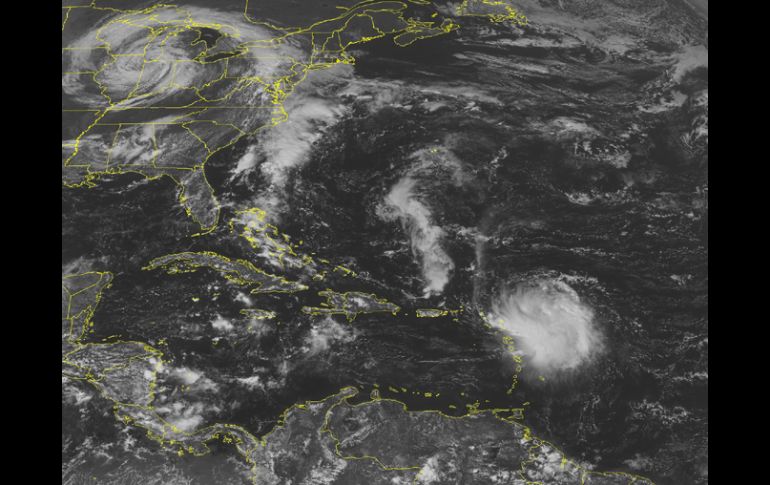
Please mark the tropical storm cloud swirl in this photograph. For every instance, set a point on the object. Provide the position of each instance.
(384, 242)
(552, 327)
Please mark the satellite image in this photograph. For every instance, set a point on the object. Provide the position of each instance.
(384, 242)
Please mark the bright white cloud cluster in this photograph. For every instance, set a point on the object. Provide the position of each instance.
(324, 333)
(551, 326)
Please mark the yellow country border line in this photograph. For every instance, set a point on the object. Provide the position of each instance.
(281, 94)
(511, 14)
(228, 269)
(280, 89)
(526, 431)
(214, 431)
(88, 310)
(117, 405)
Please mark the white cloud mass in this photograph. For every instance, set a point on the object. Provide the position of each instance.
(402, 203)
(551, 326)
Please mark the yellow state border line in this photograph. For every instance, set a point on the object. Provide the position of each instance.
(279, 89)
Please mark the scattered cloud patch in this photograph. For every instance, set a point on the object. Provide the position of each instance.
(689, 59)
(326, 332)
(403, 204)
(222, 324)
